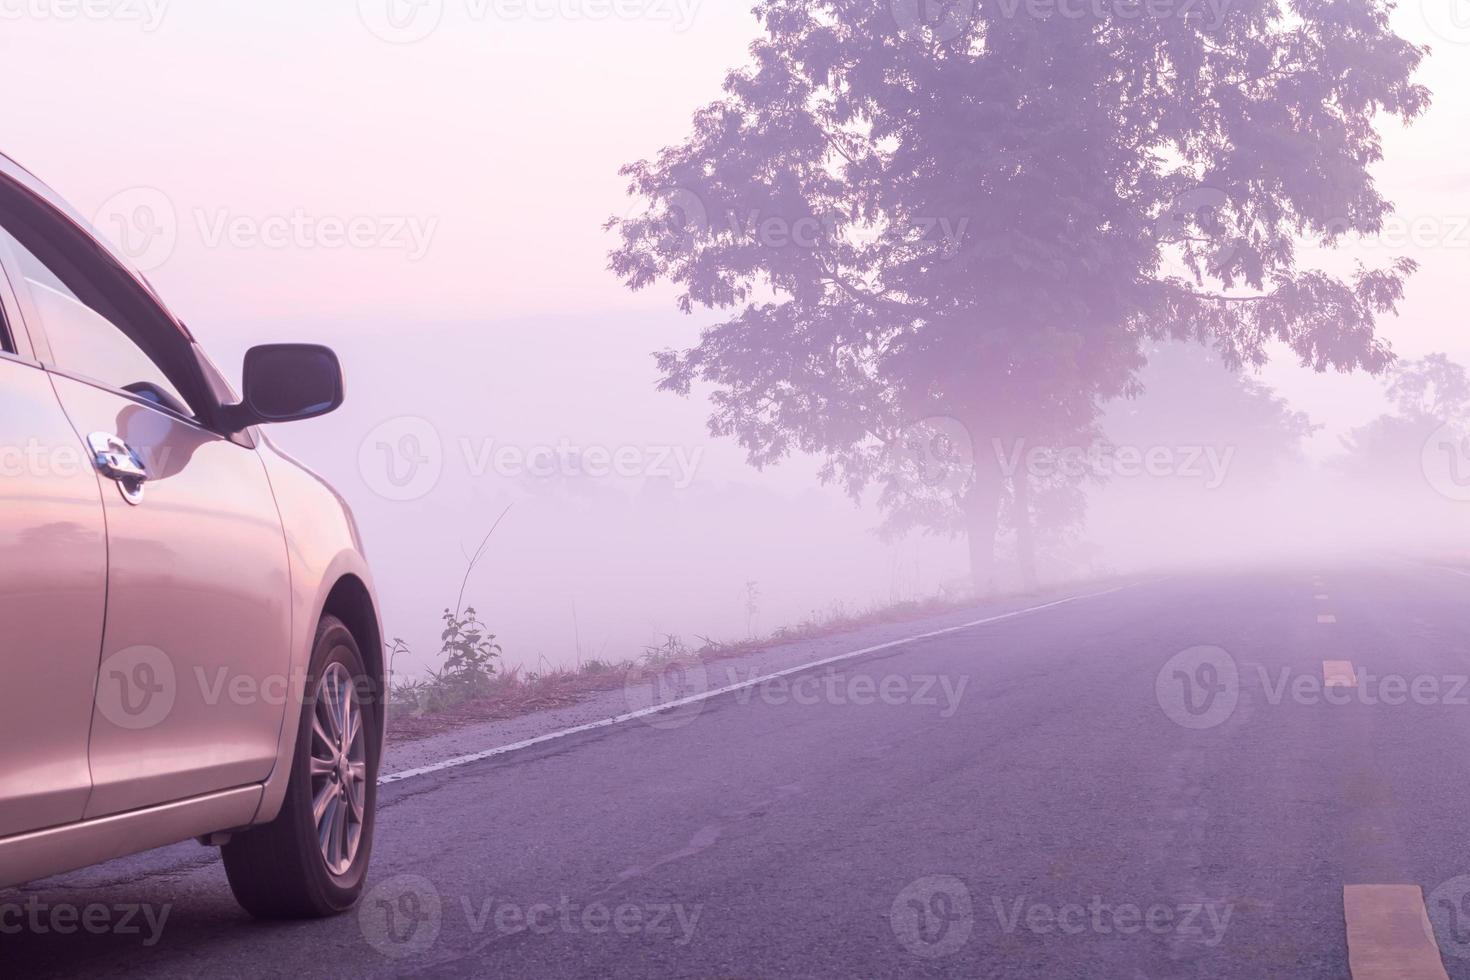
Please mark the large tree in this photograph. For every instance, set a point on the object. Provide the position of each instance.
(904, 210)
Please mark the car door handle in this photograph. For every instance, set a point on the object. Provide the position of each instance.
(116, 460)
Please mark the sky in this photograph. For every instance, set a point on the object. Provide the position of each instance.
(422, 183)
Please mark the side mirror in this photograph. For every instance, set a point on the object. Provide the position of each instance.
(286, 383)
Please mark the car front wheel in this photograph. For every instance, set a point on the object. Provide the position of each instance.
(311, 861)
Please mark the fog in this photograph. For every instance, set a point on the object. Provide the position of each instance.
(584, 564)
(497, 367)
(603, 557)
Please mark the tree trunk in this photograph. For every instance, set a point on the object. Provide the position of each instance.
(982, 519)
(1025, 534)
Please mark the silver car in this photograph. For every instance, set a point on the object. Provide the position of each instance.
(194, 645)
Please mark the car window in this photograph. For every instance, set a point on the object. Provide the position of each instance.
(83, 341)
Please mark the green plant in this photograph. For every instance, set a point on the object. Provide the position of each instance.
(469, 653)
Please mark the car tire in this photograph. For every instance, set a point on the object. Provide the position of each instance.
(283, 869)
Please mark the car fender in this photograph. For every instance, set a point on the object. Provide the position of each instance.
(328, 568)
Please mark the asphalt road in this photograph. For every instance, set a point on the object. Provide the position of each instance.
(1160, 782)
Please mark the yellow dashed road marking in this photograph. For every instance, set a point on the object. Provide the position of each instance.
(1339, 673)
(1389, 935)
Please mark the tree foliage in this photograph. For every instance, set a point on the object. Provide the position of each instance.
(985, 215)
(1429, 395)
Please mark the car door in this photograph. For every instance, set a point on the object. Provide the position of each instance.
(192, 688)
(53, 568)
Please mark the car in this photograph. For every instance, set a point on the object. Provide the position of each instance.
(193, 643)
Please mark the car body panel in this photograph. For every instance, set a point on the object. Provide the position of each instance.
(53, 585)
(27, 857)
(325, 552)
(197, 647)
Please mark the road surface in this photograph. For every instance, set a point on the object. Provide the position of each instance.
(1235, 775)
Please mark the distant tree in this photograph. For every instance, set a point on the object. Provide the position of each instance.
(1433, 388)
(1427, 394)
(1189, 398)
(980, 210)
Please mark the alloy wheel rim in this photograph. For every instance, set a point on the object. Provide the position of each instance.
(338, 769)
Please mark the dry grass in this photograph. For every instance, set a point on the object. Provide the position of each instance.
(516, 692)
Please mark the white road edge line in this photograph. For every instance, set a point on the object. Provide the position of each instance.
(465, 760)
(1420, 563)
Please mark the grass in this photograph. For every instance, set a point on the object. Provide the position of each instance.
(426, 706)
